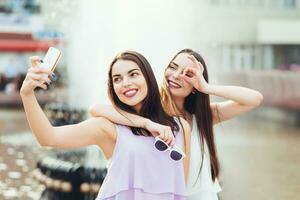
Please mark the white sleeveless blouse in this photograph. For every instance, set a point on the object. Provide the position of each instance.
(203, 187)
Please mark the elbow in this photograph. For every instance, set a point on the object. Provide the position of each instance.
(44, 143)
(94, 110)
(51, 143)
(99, 110)
(254, 101)
(47, 141)
(258, 99)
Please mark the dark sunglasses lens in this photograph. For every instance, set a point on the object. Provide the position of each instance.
(175, 155)
(159, 145)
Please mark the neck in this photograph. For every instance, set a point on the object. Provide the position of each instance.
(137, 107)
(179, 102)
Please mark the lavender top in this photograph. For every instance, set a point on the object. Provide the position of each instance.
(140, 172)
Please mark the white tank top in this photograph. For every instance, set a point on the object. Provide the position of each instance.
(204, 184)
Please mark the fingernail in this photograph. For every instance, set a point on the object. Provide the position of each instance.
(53, 76)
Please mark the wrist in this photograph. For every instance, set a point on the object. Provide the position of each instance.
(145, 123)
(26, 94)
(204, 88)
(211, 89)
(207, 89)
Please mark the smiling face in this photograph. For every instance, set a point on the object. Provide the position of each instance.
(178, 87)
(129, 84)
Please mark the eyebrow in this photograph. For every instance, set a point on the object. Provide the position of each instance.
(127, 72)
(175, 64)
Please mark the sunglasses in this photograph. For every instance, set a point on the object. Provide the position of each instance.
(176, 154)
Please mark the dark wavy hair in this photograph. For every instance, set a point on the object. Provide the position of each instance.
(151, 105)
(198, 104)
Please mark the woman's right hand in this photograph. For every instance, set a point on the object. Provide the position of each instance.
(163, 132)
(35, 77)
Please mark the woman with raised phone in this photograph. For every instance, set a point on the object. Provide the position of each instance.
(141, 167)
(186, 93)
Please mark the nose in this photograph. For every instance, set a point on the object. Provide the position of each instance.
(126, 82)
(177, 73)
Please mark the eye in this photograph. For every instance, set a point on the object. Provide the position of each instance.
(172, 67)
(116, 80)
(134, 74)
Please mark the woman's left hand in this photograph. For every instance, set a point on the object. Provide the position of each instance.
(194, 75)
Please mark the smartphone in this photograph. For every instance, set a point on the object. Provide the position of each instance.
(51, 59)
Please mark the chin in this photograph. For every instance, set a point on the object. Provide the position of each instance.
(132, 102)
(175, 92)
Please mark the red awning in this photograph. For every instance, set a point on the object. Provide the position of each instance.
(17, 45)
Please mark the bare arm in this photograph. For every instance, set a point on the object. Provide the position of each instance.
(118, 116)
(240, 100)
(121, 117)
(92, 131)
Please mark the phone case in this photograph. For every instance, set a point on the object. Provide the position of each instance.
(51, 59)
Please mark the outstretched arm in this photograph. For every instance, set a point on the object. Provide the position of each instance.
(92, 131)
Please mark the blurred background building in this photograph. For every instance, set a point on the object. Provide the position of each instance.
(253, 43)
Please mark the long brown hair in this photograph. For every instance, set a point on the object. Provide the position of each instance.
(198, 104)
(151, 105)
